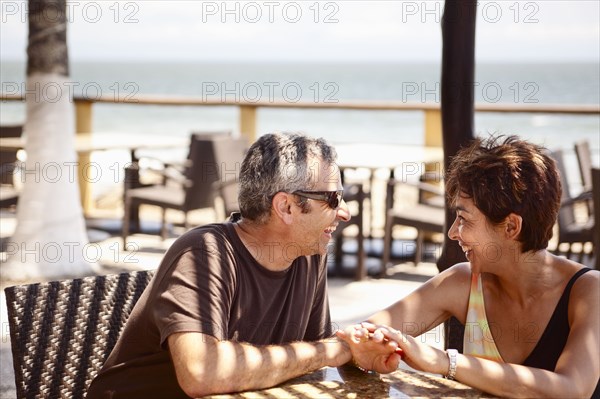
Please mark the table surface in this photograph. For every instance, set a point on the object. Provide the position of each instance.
(375, 156)
(349, 155)
(349, 382)
(103, 141)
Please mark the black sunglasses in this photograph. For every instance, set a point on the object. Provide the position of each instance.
(333, 198)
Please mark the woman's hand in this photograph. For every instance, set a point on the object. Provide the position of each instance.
(370, 350)
(416, 354)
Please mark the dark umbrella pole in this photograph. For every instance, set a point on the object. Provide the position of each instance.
(458, 76)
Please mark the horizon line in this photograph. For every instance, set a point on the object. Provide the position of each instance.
(312, 62)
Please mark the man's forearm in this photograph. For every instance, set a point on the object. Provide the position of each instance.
(234, 367)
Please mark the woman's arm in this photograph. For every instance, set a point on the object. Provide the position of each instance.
(579, 359)
(442, 296)
(576, 373)
(513, 380)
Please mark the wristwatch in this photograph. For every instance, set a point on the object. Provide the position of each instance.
(452, 368)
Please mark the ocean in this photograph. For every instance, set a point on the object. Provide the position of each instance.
(514, 84)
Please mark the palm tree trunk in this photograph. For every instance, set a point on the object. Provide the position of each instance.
(50, 239)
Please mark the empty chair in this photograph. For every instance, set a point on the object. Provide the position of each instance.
(425, 216)
(8, 164)
(584, 160)
(571, 231)
(211, 172)
(134, 174)
(353, 193)
(229, 155)
(61, 332)
(595, 175)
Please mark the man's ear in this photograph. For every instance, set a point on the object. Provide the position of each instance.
(282, 206)
(513, 225)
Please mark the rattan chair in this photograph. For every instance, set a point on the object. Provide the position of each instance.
(570, 230)
(426, 216)
(61, 332)
(211, 172)
(353, 193)
(584, 160)
(595, 175)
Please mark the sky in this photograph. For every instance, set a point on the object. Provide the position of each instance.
(310, 31)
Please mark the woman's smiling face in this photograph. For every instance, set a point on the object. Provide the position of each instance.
(478, 239)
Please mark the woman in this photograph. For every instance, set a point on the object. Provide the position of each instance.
(531, 318)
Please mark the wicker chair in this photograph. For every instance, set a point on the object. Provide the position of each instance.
(596, 196)
(353, 192)
(584, 161)
(211, 171)
(62, 332)
(425, 216)
(570, 230)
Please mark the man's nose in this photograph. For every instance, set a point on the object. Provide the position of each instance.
(343, 212)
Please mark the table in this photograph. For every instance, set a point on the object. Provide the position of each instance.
(387, 156)
(86, 143)
(113, 140)
(349, 382)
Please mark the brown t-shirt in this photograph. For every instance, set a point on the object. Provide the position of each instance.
(208, 282)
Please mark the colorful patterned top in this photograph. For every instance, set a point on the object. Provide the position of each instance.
(478, 340)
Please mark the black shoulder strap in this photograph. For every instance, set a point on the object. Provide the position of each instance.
(552, 342)
(573, 279)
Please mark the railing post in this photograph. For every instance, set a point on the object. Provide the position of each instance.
(433, 138)
(83, 125)
(433, 127)
(248, 122)
(432, 172)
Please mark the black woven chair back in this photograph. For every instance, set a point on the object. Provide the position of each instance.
(62, 332)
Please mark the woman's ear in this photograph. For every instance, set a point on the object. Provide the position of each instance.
(282, 206)
(513, 225)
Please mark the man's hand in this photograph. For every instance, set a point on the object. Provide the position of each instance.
(371, 351)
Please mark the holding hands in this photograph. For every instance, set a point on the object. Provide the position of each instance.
(370, 350)
(380, 348)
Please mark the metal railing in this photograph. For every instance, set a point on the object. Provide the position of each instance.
(248, 110)
(248, 113)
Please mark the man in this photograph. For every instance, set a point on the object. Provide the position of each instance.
(241, 305)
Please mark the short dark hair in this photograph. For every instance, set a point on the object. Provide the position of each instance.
(278, 162)
(504, 175)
